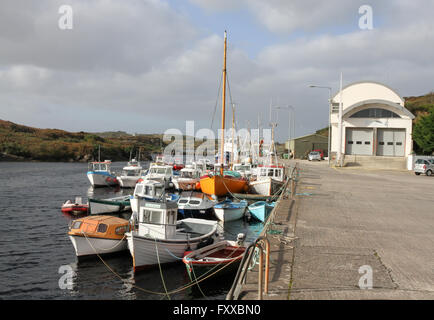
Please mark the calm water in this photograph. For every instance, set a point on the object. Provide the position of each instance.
(34, 242)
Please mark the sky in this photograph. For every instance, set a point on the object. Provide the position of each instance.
(145, 66)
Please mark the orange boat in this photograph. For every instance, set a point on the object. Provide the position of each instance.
(222, 185)
(215, 184)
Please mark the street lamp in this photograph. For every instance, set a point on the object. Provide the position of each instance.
(330, 112)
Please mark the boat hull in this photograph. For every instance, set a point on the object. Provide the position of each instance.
(128, 182)
(261, 212)
(97, 206)
(102, 179)
(90, 246)
(220, 186)
(265, 186)
(232, 214)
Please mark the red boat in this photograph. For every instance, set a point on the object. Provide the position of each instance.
(76, 207)
(178, 166)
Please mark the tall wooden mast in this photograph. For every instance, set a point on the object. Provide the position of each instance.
(223, 108)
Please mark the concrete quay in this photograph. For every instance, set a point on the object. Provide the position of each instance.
(343, 219)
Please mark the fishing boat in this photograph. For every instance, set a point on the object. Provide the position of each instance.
(159, 172)
(188, 179)
(261, 209)
(269, 181)
(100, 175)
(98, 235)
(229, 210)
(221, 184)
(224, 256)
(244, 169)
(150, 190)
(159, 238)
(195, 205)
(75, 208)
(130, 174)
(111, 205)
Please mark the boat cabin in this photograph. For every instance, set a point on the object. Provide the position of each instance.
(243, 169)
(190, 173)
(274, 172)
(107, 227)
(149, 189)
(157, 220)
(99, 165)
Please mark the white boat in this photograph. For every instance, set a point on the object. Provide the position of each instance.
(111, 205)
(269, 180)
(98, 235)
(100, 175)
(187, 179)
(163, 173)
(130, 174)
(158, 238)
(149, 190)
(228, 210)
(244, 169)
(195, 205)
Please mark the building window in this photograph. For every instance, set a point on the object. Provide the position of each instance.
(350, 142)
(399, 143)
(359, 142)
(381, 143)
(375, 113)
(368, 142)
(390, 143)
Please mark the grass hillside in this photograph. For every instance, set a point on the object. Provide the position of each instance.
(18, 142)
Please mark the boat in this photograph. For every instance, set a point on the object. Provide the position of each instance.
(224, 256)
(159, 172)
(130, 174)
(111, 205)
(98, 235)
(244, 169)
(158, 237)
(229, 210)
(269, 181)
(150, 190)
(195, 205)
(220, 184)
(99, 174)
(75, 208)
(188, 179)
(261, 209)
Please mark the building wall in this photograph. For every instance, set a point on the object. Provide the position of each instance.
(302, 146)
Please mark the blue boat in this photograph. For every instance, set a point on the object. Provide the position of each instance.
(261, 209)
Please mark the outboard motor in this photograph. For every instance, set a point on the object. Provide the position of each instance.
(241, 237)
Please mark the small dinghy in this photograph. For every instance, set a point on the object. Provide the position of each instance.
(111, 205)
(261, 209)
(225, 255)
(229, 211)
(195, 205)
(75, 208)
(98, 235)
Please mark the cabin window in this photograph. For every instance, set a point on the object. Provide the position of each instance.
(102, 227)
(148, 190)
(278, 172)
(158, 191)
(121, 230)
(270, 172)
(76, 225)
(171, 217)
(155, 217)
(182, 201)
(194, 202)
(263, 172)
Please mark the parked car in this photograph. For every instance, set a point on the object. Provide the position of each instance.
(314, 155)
(321, 152)
(424, 166)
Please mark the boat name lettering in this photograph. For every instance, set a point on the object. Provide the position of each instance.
(152, 205)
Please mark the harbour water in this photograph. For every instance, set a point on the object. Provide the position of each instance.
(35, 245)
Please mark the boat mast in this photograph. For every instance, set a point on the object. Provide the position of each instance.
(233, 129)
(223, 107)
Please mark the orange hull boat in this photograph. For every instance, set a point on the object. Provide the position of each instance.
(220, 186)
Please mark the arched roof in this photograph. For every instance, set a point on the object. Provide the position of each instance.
(379, 102)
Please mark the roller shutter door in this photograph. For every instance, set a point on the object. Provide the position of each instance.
(390, 142)
(359, 141)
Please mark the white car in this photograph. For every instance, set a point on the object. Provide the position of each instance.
(424, 166)
(314, 155)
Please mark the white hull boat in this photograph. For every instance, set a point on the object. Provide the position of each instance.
(230, 211)
(130, 174)
(265, 186)
(88, 246)
(112, 205)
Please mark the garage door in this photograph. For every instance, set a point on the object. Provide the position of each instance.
(390, 142)
(359, 141)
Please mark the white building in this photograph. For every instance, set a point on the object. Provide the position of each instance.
(374, 122)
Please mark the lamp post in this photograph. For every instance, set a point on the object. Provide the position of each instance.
(290, 125)
(330, 112)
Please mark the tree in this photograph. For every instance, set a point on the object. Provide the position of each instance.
(423, 133)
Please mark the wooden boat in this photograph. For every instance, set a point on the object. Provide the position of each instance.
(261, 209)
(75, 208)
(195, 205)
(111, 205)
(220, 185)
(158, 238)
(228, 210)
(98, 235)
(269, 181)
(225, 255)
